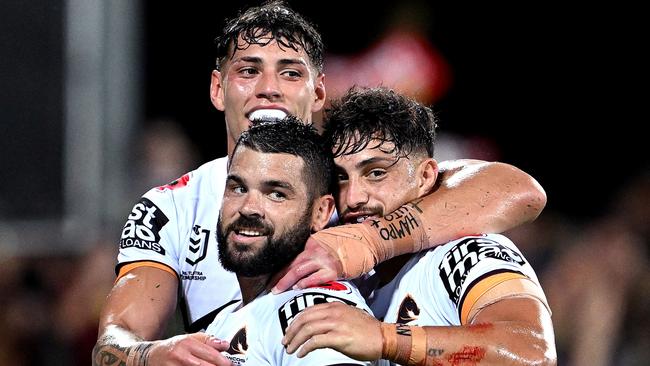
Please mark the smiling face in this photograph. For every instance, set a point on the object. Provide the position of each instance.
(265, 77)
(374, 181)
(266, 214)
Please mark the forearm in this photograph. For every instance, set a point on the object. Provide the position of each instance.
(499, 343)
(475, 199)
(117, 346)
(472, 198)
(480, 197)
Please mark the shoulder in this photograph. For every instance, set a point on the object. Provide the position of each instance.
(208, 178)
(291, 303)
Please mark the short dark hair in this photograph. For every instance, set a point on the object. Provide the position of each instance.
(288, 28)
(292, 136)
(366, 114)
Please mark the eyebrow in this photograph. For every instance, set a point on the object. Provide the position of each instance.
(268, 183)
(284, 61)
(369, 161)
(235, 178)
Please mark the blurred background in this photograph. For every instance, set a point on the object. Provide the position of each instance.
(101, 101)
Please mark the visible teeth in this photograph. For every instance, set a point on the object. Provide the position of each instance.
(250, 233)
(267, 114)
(361, 218)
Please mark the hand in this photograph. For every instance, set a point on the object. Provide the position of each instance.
(197, 349)
(314, 266)
(345, 328)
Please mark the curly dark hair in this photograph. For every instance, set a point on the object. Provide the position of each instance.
(364, 115)
(292, 136)
(288, 28)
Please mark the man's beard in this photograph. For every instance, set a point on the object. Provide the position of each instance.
(272, 257)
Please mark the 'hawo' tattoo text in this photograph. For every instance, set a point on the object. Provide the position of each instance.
(399, 223)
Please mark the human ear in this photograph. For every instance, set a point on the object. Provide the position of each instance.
(216, 90)
(322, 212)
(427, 176)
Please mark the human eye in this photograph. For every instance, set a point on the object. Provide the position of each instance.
(277, 196)
(292, 74)
(248, 71)
(341, 177)
(235, 188)
(376, 174)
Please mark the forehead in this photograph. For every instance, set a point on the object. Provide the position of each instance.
(375, 151)
(255, 166)
(268, 50)
(375, 147)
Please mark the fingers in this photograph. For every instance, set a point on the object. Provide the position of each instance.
(197, 349)
(319, 277)
(311, 321)
(314, 266)
(298, 269)
(324, 340)
(347, 329)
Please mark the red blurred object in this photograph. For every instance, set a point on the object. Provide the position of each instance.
(403, 60)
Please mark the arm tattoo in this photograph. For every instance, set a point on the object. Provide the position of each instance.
(108, 353)
(399, 223)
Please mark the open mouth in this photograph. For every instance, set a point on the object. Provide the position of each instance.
(267, 114)
(250, 233)
(358, 218)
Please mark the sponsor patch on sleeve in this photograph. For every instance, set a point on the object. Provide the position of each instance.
(293, 307)
(334, 286)
(142, 228)
(465, 255)
(177, 183)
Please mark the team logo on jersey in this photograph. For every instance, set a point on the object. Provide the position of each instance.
(333, 286)
(177, 183)
(408, 311)
(238, 347)
(143, 226)
(465, 255)
(293, 307)
(198, 248)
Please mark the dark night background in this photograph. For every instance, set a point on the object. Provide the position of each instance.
(553, 85)
(556, 87)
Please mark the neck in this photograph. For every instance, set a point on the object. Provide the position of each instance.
(252, 287)
(231, 147)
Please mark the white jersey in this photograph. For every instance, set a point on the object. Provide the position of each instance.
(175, 226)
(255, 331)
(440, 286)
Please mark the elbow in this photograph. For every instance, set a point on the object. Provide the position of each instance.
(528, 195)
(535, 198)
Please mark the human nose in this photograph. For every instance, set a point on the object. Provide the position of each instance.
(268, 87)
(252, 206)
(355, 194)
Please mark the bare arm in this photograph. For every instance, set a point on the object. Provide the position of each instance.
(480, 197)
(471, 197)
(513, 331)
(136, 313)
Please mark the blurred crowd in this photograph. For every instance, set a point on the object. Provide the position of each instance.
(595, 273)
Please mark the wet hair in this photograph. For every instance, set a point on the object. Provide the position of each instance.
(364, 115)
(288, 28)
(292, 136)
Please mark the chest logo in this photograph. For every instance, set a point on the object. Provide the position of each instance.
(409, 311)
(198, 246)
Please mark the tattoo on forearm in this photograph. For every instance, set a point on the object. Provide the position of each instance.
(106, 353)
(399, 223)
(108, 356)
(402, 329)
(140, 354)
